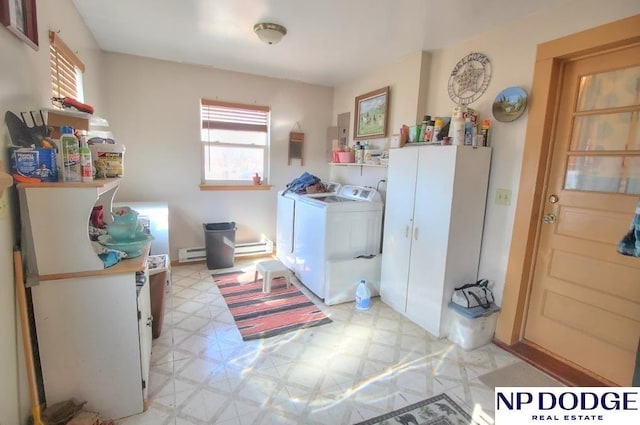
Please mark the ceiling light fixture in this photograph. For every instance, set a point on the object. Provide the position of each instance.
(269, 33)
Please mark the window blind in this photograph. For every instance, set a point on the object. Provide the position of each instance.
(64, 68)
(233, 116)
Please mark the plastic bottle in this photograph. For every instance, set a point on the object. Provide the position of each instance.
(70, 155)
(86, 164)
(457, 129)
(468, 131)
(437, 126)
(423, 127)
(484, 133)
(428, 133)
(363, 296)
(359, 153)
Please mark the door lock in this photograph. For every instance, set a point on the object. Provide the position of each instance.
(549, 218)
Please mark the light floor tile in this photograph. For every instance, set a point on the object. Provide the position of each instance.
(362, 365)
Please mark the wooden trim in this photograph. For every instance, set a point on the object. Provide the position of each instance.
(62, 47)
(209, 102)
(608, 36)
(215, 187)
(549, 61)
(566, 373)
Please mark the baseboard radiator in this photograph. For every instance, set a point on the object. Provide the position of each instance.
(246, 249)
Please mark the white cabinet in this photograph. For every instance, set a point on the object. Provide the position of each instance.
(93, 325)
(434, 218)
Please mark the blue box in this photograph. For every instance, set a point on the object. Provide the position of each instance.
(36, 163)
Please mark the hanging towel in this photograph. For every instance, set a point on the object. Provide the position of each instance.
(630, 243)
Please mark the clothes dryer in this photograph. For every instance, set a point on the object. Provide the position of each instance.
(334, 228)
(285, 222)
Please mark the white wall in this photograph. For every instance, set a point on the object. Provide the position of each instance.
(154, 111)
(406, 79)
(25, 84)
(511, 49)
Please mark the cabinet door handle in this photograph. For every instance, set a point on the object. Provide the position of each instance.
(406, 231)
(415, 233)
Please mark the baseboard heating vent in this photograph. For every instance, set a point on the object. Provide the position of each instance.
(264, 246)
(186, 255)
(246, 249)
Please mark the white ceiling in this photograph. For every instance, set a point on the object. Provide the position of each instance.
(328, 42)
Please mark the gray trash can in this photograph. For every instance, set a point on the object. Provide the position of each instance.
(220, 244)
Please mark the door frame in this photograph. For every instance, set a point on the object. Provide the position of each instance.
(536, 161)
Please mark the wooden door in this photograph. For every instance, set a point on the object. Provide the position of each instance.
(584, 304)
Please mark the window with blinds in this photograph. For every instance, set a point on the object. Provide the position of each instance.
(66, 69)
(235, 142)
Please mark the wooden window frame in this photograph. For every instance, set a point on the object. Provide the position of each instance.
(261, 125)
(64, 60)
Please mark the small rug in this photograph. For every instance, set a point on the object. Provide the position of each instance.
(437, 410)
(519, 374)
(260, 315)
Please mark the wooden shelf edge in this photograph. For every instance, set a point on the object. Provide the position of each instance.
(131, 265)
(102, 185)
(214, 187)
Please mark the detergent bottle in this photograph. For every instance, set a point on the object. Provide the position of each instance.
(363, 296)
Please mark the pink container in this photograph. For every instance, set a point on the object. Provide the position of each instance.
(346, 157)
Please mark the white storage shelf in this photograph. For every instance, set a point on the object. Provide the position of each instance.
(55, 219)
(93, 324)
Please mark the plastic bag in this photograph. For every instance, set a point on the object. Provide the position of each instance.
(473, 295)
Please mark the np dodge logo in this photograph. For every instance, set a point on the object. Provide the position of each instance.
(601, 405)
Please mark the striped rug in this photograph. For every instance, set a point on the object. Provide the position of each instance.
(260, 315)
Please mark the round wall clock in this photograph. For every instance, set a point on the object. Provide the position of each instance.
(469, 78)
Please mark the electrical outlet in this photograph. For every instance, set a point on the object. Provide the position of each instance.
(503, 197)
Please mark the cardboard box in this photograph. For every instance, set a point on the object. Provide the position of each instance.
(36, 163)
(57, 118)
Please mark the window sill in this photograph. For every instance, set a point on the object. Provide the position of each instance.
(235, 187)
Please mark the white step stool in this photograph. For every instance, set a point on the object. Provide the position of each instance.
(270, 270)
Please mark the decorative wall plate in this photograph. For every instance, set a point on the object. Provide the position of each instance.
(469, 78)
(510, 104)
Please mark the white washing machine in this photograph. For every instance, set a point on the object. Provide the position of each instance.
(337, 242)
(286, 217)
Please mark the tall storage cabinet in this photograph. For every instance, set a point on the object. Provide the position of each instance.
(93, 325)
(434, 217)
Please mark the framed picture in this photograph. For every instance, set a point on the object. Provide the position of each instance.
(20, 17)
(372, 114)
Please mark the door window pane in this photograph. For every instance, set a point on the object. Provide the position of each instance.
(607, 132)
(614, 174)
(632, 169)
(613, 89)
